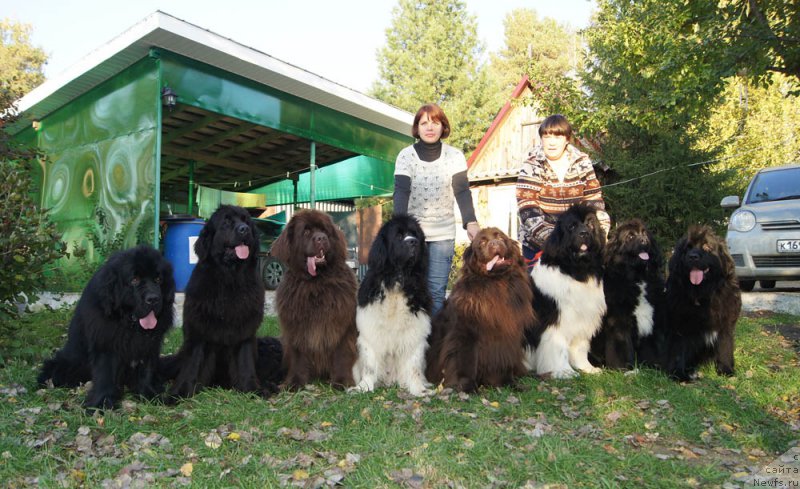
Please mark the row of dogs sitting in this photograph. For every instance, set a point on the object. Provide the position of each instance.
(585, 304)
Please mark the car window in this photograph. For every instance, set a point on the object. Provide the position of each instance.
(775, 185)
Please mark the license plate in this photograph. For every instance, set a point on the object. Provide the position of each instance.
(789, 246)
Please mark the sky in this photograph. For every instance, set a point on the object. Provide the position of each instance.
(336, 39)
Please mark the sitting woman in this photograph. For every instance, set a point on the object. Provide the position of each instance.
(553, 177)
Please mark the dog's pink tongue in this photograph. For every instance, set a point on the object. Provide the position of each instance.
(644, 255)
(491, 264)
(696, 276)
(242, 251)
(149, 321)
(311, 263)
(584, 247)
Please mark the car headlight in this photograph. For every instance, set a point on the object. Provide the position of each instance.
(742, 221)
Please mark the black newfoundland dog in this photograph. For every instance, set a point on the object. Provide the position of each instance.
(568, 298)
(394, 304)
(704, 302)
(633, 283)
(223, 309)
(316, 302)
(115, 336)
(478, 336)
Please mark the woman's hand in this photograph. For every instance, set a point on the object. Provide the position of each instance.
(472, 230)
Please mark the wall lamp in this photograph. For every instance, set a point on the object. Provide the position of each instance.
(169, 98)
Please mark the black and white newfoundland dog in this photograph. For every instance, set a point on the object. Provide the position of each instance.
(633, 284)
(568, 299)
(703, 304)
(393, 314)
(223, 309)
(115, 335)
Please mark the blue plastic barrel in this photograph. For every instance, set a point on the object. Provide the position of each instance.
(179, 247)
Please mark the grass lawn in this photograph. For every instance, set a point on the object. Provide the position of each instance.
(608, 430)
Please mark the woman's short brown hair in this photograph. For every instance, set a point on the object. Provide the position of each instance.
(436, 114)
(557, 125)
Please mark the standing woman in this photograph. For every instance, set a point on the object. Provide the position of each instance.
(553, 177)
(429, 177)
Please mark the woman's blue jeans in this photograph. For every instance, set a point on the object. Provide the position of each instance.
(440, 258)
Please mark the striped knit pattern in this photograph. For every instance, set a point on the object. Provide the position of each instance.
(541, 198)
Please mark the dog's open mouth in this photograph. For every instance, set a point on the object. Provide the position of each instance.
(313, 261)
(149, 321)
(242, 251)
(497, 261)
(696, 276)
(644, 255)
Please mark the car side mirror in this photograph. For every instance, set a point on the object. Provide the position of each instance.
(730, 202)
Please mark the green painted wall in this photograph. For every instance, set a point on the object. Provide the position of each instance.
(99, 179)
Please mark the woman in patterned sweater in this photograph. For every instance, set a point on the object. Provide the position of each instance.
(554, 176)
(429, 177)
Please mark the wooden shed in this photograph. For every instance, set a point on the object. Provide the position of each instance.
(495, 163)
(121, 155)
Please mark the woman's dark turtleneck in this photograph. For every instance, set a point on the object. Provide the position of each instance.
(428, 151)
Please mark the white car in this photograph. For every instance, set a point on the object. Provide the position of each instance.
(764, 230)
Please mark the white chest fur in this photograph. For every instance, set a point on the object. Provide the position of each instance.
(391, 343)
(581, 305)
(643, 313)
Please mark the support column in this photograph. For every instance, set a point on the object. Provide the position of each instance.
(190, 205)
(312, 176)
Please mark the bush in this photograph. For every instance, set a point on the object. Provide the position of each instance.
(28, 240)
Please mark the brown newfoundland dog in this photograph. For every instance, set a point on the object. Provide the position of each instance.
(703, 304)
(477, 338)
(316, 302)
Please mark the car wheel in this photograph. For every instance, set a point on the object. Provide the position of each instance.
(767, 284)
(272, 272)
(747, 285)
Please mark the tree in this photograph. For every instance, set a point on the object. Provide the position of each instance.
(550, 48)
(21, 63)
(432, 55)
(750, 37)
(753, 127)
(28, 240)
(651, 89)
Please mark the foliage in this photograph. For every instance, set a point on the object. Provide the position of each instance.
(541, 48)
(655, 76)
(605, 430)
(21, 64)
(432, 55)
(748, 37)
(753, 127)
(386, 203)
(658, 186)
(28, 240)
(457, 264)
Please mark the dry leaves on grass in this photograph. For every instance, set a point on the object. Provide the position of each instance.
(406, 478)
(318, 470)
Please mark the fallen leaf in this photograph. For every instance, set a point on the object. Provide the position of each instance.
(213, 440)
(186, 469)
